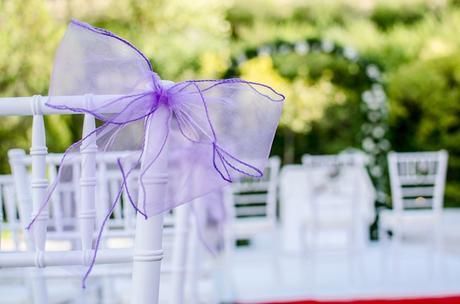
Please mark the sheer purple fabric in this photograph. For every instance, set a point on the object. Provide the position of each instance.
(220, 130)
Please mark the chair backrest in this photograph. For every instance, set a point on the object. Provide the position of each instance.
(326, 171)
(417, 180)
(255, 198)
(334, 160)
(336, 177)
(63, 221)
(63, 207)
(123, 219)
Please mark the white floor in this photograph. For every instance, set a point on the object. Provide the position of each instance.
(376, 272)
(258, 277)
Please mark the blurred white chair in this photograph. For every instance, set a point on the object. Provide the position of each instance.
(62, 224)
(250, 214)
(339, 206)
(11, 281)
(417, 189)
(120, 228)
(9, 213)
(293, 193)
(251, 206)
(63, 215)
(335, 198)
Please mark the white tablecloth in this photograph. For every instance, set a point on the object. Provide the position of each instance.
(297, 187)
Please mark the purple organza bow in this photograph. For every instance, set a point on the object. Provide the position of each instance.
(220, 130)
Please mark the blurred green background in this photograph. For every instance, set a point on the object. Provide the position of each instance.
(416, 43)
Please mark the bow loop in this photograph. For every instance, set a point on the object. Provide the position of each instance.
(227, 163)
(221, 130)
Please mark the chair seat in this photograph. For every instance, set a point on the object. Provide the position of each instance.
(333, 211)
(418, 221)
(336, 221)
(247, 227)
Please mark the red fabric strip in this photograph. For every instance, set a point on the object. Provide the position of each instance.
(431, 300)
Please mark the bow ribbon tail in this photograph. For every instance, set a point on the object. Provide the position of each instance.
(99, 234)
(63, 162)
(153, 147)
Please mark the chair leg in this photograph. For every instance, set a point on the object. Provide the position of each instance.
(307, 252)
(276, 254)
(108, 291)
(352, 255)
(436, 253)
(228, 257)
(181, 242)
(194, 267)
(147, 260)
(39, 288)
(396, 242)
(384, 253)
(312, 247)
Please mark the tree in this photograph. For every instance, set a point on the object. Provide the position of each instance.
(425, 112)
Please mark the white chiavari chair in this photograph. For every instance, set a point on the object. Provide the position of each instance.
(10, 240)
(250, 214)
(147, 252)
(417, 182)
(335, 216)
(332, 196)
(120, 228)
(251, 206)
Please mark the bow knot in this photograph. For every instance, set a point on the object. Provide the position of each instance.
(160, 97)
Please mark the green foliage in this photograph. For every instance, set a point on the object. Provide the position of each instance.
(388, 16)
(172, 34)
(425, 103)
(28, 36)
(417, 44)
(340, 123)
